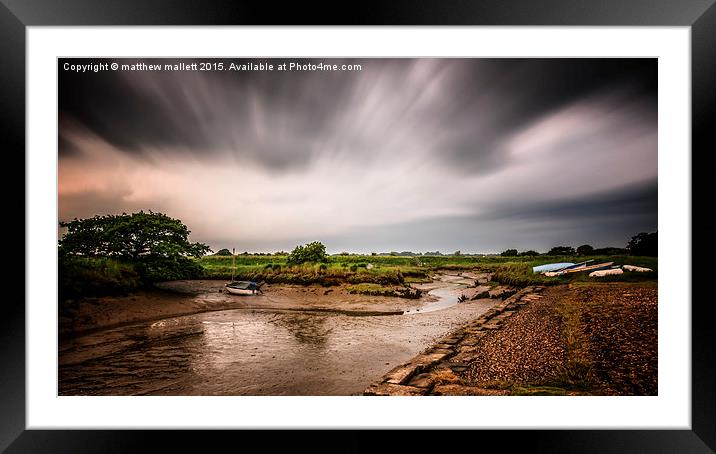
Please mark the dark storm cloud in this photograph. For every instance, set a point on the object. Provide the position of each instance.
(406, 154)
(633, 200)
(605, 219)
(95, 202)
(283, 121)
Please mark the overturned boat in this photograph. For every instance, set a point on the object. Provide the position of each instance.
(551, 267)
(580, 269)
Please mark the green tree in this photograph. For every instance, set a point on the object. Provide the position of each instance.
(561, 250)
(509, 253)
(644, 244)
(310, 253)
(529, 253)
(223, 252)
(155, 244)
(585, 249)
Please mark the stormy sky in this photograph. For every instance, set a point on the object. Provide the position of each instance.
(477, 155)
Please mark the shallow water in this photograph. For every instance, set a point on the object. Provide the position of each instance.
(257, 351)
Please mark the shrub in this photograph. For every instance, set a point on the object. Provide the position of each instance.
(310, 253)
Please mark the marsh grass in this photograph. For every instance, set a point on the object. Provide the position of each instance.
(396, 270)
(84, 276)
(384, 290)
(577, 371)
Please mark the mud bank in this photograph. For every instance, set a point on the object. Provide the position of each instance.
(186, 297)
(290, 341)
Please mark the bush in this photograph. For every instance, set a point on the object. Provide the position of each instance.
(224, 252)
(310, 253)
(509, 253)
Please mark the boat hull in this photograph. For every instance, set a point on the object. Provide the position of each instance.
(599, 266)
(551, 267)
(239, 291)
(607, 272)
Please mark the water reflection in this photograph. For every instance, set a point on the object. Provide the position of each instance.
(307, 328)
(251, 352)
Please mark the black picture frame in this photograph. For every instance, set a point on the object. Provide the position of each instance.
(16, 15)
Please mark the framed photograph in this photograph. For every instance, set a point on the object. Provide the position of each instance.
(436, 218)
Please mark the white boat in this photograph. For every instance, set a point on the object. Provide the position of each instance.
(580, 269)
(243, 288)
(551, 267)
(609, 272)
(638, 269)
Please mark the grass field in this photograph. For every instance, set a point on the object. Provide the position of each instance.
(394, 270)
(368, 274)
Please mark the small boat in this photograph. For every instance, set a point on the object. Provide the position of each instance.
(551, 267)
(577, 265)
(598, 266)
(607, 272)
(243, 288)
(638, 269)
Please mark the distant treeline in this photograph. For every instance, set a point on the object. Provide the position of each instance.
(642, 244)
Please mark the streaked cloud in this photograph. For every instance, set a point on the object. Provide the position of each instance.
(421, 154)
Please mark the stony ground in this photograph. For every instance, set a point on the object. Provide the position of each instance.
(530, 348)
(608, 330)
(582, 339)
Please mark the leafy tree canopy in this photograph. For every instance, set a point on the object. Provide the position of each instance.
(561, 250)
(644, 244)
(509, 253)
(610, 251)
(156, 244)
(223, 252)
(529, 253)
(310, 253)
(585, 249)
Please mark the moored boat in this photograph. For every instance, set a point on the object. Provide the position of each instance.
(243, 288)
